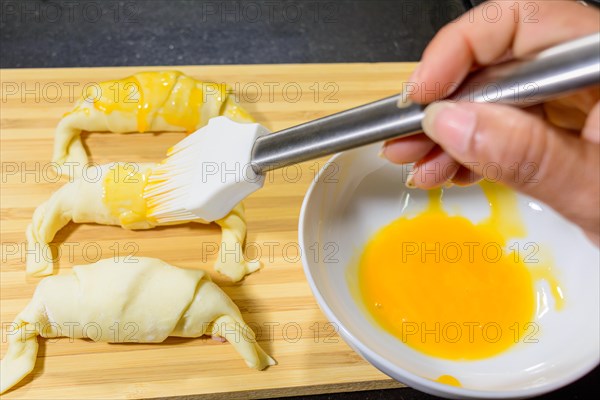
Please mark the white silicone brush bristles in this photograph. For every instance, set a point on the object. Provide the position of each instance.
(206, 174)
(166, 186)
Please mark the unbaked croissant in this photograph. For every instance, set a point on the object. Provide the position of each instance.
(144, 102)
(142, 300)
(112, 194)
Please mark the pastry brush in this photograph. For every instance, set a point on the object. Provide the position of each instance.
(205, 175)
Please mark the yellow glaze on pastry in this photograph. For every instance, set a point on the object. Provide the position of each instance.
(144, 102)
(123, 194)
(114, 197)
(154, 298)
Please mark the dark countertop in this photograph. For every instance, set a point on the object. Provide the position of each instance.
(161, 32)
(83, 33)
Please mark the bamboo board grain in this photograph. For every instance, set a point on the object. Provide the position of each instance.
(276, 301)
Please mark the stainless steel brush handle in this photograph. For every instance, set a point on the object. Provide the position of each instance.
(524, 82)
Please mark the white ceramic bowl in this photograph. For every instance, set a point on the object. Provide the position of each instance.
(356, 193)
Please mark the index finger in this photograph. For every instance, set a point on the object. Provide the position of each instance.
(491, 31)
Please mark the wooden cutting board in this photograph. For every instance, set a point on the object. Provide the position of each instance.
(276, 301)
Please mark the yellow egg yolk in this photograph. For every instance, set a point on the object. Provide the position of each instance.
(447, 287)
(236, 113)
(448, 380)
(184, 105)
(123, 194)
(129, 95)
(177, 98)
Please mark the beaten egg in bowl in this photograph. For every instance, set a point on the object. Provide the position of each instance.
(532, 271)
(449, 287)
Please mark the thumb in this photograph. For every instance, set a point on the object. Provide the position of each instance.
(509, 145)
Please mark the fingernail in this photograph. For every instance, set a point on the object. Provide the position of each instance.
(403, 101)
(450, 124)
(410, 179)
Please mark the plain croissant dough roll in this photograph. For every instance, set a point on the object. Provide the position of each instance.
(111, 194)
(144, 102)
(104, 300)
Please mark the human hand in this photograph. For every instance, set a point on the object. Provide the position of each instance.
(551, 152)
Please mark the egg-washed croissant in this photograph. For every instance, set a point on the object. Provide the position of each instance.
(144, 102)
(113, 195)
(141, 300)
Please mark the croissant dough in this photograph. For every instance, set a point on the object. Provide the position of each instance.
(111, 194)
(144, 102)
(141, 300)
